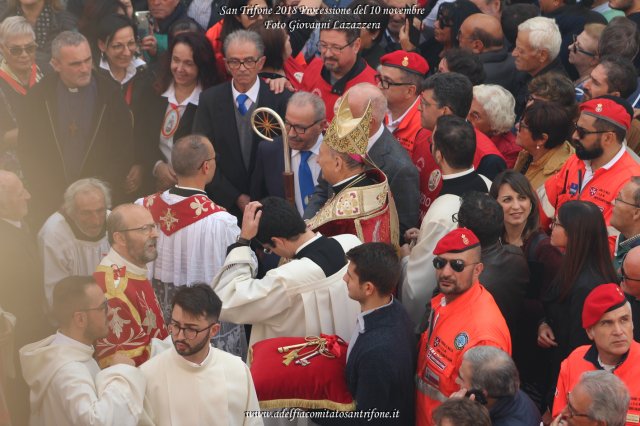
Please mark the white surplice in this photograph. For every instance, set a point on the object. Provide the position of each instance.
(68, 387)
(181, 393)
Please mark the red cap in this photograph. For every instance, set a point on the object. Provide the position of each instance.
(608, 110)
(456, 241)
(408, 61)
(602, 299)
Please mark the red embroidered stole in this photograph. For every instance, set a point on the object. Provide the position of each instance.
(173, 217)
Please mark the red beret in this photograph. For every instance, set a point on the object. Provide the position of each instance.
(608, 110)
(602, 299)
(408, 61)
(456, 241)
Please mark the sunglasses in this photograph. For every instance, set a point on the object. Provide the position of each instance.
(582, 132)
(29, 49)
(457, 265)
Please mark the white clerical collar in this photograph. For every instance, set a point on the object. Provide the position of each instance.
(315, 148)
(15, 223)
(361, 315)
(64, 340)
(130, 71)
(395, 123)
(459, 174)
(252, 93)
(193, 98)
(114, 258)
(318, 235)
(375, 137)
(189, 188)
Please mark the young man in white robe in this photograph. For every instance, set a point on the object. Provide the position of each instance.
(73, 240)
(67, 385)
(194, 232)
(303, 297)
(193, 383)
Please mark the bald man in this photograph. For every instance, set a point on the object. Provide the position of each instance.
(135, 317)
(386, 153)
(482, 34)
(630, 284)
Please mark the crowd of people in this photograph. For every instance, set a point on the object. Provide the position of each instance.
(452, 195)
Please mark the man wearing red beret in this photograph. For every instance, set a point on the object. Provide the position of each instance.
(606, 317)
(601, 165)
(463, 315)
(400, 76)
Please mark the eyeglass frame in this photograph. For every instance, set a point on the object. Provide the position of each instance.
(244, 62)
(523, 125)
(378, 78)
(582, 132)
(22, 49)
(147, 229)
(623, 274)
(577, 49)
(555, 222)
(304, 129)
(572, 413)
(449, 262)
(104, 306)
(615, 200)
(185, 329)
(205, 161)
(334, 49)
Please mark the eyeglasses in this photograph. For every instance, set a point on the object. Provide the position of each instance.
(104, 306)
(624, 275)
(206, 161)
(555, 223)
(582, 132)
(457, 265)
(131, 45)
(249, 63)
(323, 47)
(620, 200)
(29, 49)
(522, 124)
(425, 103)
(299, 130)
(188, 333)
(576, 48)
(460, 36)
(146, 229)
(572, 411)
(385, 84)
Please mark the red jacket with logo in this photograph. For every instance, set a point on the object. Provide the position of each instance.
(408, 128)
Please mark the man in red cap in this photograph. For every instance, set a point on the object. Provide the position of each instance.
(400, 76)
(464, 315)
(606, 317)
(601, 165)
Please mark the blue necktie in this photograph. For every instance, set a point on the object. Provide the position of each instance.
(240, 100)
(305, 178)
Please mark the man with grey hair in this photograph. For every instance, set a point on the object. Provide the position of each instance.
(83, 128)
(625, 217)
(491, 376)
(224, 116)
(194, 232)
(73, 240)
(599, 398)
(385, 153)
(304, 121)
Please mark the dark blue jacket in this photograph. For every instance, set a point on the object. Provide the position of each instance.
(518, 410)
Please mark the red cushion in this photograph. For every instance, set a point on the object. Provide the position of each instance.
(319, 385)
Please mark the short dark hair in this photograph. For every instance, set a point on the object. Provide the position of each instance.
(279, 219)
(69, 296)
(466, 63)
(558, 88)
(515, 14)
(451, 89)
(620, 37)
(621, 75)
(483, 215)
(109, 25)
(377, 263)
(550, 118)
(351, 29)
(456, 140)
(462, 412)
(488, 40)
(381, 19)
(197, 300)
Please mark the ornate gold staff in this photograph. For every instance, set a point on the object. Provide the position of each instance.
(268, 124)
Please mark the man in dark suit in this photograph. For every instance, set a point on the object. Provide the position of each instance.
(78, 125)
(381, 350)
(224, 116)
(304, 122)
(386, 153)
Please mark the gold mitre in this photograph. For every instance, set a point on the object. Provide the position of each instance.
(347, 134)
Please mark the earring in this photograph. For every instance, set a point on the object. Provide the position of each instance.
(537, 146)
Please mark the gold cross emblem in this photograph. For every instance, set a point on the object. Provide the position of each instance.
(168, 219)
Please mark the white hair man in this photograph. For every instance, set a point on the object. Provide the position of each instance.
(73, 240)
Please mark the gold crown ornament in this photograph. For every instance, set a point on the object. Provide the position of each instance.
(347, 134)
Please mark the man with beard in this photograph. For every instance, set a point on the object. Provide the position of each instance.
(601, 165)
(195, 383)
(464, 315)
(134, 313)
(614, 75)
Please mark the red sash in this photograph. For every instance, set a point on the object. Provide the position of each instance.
(173, 217)
(17, 86)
